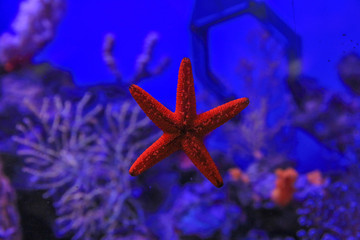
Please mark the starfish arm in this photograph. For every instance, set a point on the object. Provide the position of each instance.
(162, 148)
(185, 96)
(158, 113)
(196, 151)
(212, 119)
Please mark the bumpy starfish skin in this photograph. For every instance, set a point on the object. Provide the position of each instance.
(183, 129)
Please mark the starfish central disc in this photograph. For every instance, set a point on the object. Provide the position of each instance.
(183, 129)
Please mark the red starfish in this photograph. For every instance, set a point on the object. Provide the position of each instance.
(183, 129)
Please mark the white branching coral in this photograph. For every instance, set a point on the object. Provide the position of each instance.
(266, 119)
(256, 136)
(57, 141)
(33, 27)
(80, 154)
(142, 69)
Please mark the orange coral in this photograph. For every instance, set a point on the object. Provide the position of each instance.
(237, 175)
(315, 178)
(284, 189)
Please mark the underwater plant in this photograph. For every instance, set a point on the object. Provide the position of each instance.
(80, 155)
(33, 27)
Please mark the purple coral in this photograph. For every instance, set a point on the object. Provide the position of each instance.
(199, 211)
(331, 118)
(80, 154)
(33, 27)
(9, 218)
(326, 211)
(349, 72)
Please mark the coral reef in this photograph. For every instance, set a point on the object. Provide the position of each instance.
(75, 146)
